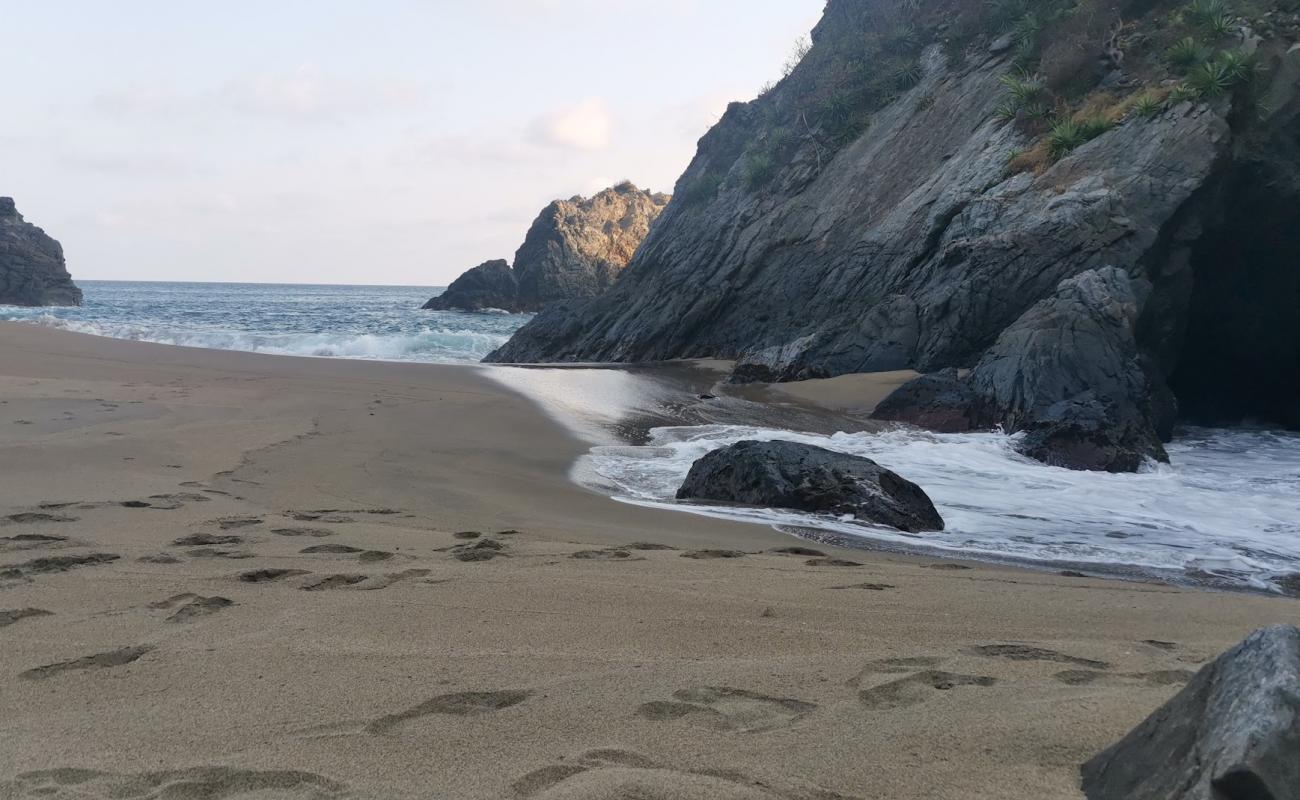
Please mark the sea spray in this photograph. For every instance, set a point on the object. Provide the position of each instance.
(1225, 511)
(365, 322)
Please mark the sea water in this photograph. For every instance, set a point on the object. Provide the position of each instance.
(1225, 510)
(371, 322)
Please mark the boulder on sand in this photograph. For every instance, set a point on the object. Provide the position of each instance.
(803, 477)
(1233, 733)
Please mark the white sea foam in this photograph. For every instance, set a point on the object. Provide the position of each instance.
(429, 344)
(372, 322)
(1227, 506)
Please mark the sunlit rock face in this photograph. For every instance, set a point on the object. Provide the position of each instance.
(574, 249)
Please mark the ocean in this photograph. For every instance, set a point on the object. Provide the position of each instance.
(1225, 512)
(373, 322)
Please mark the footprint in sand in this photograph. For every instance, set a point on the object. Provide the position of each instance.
(917, 688)
(359, 582)
(269, 575)
(608, 772)
(216, 552)
(708, 554)
(316, 533)
(481, 550)
(194, 782)
(459, 704)
(11, 616)
(160, 558)
(797, 551)
(33, 541)
(190, 607)
(1160, 677)
(197, 539)
(1021, 652)
(30, 517)
(325, 582)
(55, 564)
(112, 658)
(330, 548)
(723, 708)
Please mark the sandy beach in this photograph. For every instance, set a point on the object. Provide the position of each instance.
(233, 575)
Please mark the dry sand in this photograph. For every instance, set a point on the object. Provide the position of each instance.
(164, 634)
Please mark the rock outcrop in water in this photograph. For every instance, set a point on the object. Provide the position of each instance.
(1233, 733)
(918, 193)
(803, 477)
(575, 249)
(32, 272)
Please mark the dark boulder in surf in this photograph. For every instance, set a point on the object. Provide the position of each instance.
(803, 477)
(1233, 733)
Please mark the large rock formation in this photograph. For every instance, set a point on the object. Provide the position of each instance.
(828, 228)
(803, 477)
(32, 272)
(1233, 733)
(575, 249)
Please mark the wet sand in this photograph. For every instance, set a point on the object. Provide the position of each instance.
(224, 574)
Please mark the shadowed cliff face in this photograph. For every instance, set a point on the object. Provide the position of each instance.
(32, 272)
(907, 242)
(574, 249)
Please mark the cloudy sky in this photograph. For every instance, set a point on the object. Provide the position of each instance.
(333, 141)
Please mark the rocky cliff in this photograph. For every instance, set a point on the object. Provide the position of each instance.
(32, 272)
(934, 170)
(574, 249)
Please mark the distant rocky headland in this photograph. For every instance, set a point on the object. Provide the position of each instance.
(574, 249)
(1088, 207)
(32, 271)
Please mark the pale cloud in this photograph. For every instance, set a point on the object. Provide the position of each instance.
(137, 164)
(587, 126)
(306, 95)
(309, 94)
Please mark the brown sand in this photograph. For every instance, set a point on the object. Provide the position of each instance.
(416, 662)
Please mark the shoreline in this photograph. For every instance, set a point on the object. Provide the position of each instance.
(619, 404)
(230, 564)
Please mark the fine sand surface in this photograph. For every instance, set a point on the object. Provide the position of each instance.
(230, 575)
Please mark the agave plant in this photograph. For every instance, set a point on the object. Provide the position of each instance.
(1210, 79)
(1148, 106)
(905, 73)
(1065, 135)
(1024, 88)
(1202, 11)
(1221, 24)
(1185, 53)
(1240, 67)
(1183, 93)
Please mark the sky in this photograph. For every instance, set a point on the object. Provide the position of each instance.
(335, 141)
